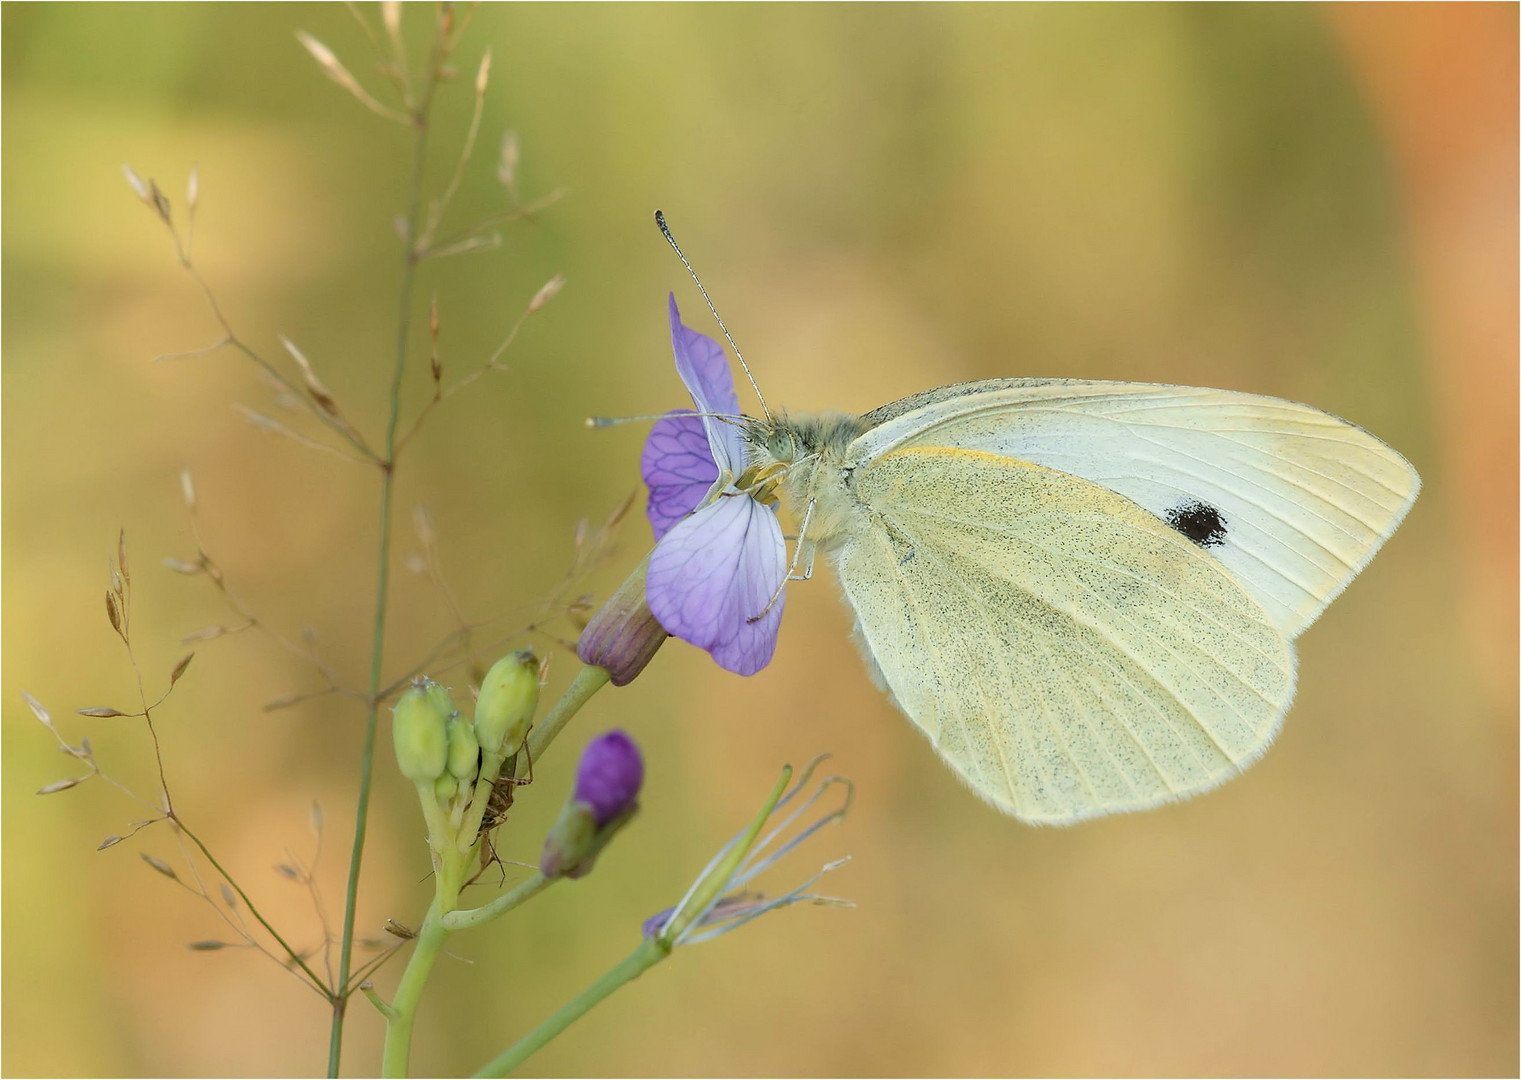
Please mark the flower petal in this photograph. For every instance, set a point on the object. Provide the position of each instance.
(705, 369)
(678, 468)
(713, 572)
(609, 775)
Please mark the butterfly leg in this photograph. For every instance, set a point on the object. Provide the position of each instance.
(807, 574)
(797, 551)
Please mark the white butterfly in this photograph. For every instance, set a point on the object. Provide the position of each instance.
(1085, 593)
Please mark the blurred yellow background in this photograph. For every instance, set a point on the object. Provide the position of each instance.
(1317, 203)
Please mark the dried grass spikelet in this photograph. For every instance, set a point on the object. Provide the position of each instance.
(333, 68)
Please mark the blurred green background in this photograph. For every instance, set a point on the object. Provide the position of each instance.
(1317, 203)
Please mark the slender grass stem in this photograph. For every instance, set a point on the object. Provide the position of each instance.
(383, 557)
(649, 953)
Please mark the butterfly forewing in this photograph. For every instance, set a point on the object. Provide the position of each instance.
(1067, 652)
(1291, 500)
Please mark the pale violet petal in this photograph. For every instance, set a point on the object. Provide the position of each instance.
(678, 468)
(705, 370)
(716, 570)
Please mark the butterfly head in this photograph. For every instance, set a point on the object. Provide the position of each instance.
(785, 440)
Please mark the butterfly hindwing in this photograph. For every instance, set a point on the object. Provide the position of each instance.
(1291, 500)
(1068, 653)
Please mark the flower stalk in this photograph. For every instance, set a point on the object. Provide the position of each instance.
(430, 942)
(710, 906)
(451, 869)
(587, 682)
(465, 918)
(607, 788)
(649, 953)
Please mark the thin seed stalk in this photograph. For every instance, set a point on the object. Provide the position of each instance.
(253, 910)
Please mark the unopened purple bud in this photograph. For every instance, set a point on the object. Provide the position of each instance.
(609, 776)
(623, 636)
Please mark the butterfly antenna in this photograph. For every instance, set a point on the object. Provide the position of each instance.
(613, 421)
(666, 231)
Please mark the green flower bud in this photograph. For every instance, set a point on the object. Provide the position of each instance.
(509, 696)
(445, 788)
(441, 699)
(464, 751)
(420, 730)
(571, 844)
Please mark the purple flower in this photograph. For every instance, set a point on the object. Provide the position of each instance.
(728, 907)
(609, 776)
(720, 899)
(719, 555)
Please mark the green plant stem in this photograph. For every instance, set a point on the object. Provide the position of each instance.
(649, 953)
(381, 1005)
(382, 574)
(430, 942)
(523, 890)
(708, 888)
(587, 682)
(433, 814)
(485, 784)
(442, 920)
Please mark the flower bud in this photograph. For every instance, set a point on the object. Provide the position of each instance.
(464, 751)
(607, 789)
(441, 699)
(420, 730)
(509, 696)
(609, 776)
(445, 788)
(571, 840)
(622, 636)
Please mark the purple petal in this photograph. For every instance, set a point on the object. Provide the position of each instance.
(610, 775)
(656, 922)
(705, 369)
(713, 572)
(678, 468)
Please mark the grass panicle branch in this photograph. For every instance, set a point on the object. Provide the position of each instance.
(119, 611)
(328, 414)
(297, 384)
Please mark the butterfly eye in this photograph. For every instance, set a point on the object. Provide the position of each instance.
(781, 445)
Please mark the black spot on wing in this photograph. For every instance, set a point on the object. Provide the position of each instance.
(1199, 521)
